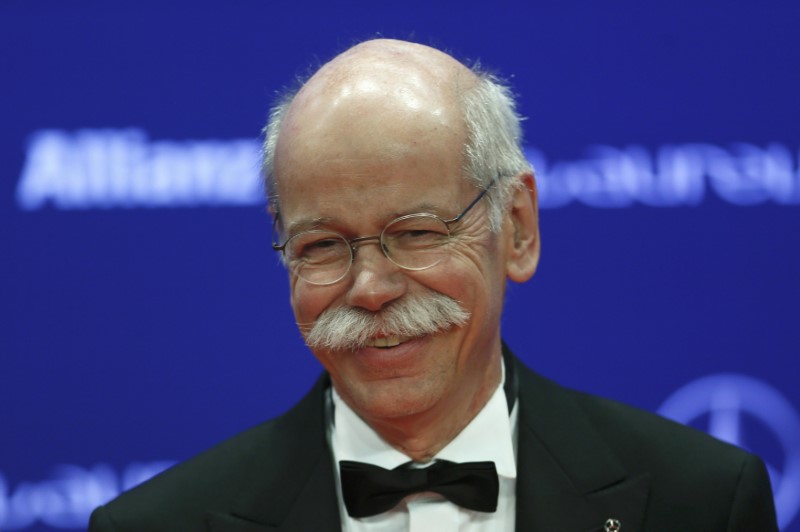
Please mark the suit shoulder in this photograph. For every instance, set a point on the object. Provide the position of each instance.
(634, 431)
(717, 486)
(186, 489)
(178, 498)
(681, 459)
(631, 427)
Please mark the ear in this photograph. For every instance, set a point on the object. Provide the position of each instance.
(523, 239)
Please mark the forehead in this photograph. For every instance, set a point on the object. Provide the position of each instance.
(365, 194)
(344, 128)
(368, 167)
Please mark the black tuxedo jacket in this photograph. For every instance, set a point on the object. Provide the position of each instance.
(581, 460)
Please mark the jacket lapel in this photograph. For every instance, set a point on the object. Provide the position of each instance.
(291, 485)
(568, 479)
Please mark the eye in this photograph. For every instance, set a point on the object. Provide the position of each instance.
(417, 232)
(315, 247)
(320, 245)
(418, 237)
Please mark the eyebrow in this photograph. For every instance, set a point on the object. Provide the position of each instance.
(309, 224)
(425, 208)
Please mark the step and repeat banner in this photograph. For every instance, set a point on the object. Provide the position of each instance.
(144, 316)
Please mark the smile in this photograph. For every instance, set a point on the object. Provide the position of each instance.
(386, 341)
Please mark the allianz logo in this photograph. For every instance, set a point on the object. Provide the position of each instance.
(123, 168)
(67, 499)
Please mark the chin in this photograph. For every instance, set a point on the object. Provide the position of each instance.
(394, 398)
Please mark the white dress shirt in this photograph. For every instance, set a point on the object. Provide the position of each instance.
(490, 436)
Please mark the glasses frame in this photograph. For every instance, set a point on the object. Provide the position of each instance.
(352, 242)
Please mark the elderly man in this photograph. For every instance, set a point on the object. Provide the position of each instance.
(402, 205)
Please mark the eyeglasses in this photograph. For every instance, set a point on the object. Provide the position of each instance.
(413, 242)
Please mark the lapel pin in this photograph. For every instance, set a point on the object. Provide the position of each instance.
(612, 525)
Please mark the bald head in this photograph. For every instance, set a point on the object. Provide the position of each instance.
(385, 99)
(393, 64)
(379, 99)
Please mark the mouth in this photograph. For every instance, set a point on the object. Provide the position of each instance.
(386, 342)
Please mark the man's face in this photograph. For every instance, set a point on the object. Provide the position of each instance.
(451, 365)
(339, 168)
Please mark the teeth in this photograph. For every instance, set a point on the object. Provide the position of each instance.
(386, 341)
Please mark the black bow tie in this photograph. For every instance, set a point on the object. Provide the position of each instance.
(370, 490)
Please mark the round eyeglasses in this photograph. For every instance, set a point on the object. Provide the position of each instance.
(413, 242)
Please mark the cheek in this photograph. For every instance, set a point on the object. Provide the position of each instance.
(303, 304)
(309, 301)
(473, 276)
(473, 262)
(458, 277)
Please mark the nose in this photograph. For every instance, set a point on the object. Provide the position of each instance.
(376, 281)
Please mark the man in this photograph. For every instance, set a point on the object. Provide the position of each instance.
(402, 205)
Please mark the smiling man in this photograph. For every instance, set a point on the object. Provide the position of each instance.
(403, 205)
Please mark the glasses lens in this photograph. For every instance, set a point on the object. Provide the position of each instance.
(417, 241)
(318, 257)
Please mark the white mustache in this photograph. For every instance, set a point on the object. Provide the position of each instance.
(350, 328)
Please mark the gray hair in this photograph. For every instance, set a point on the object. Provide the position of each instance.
(493, 148)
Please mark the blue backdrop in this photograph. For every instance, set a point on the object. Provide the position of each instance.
(144, 317)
